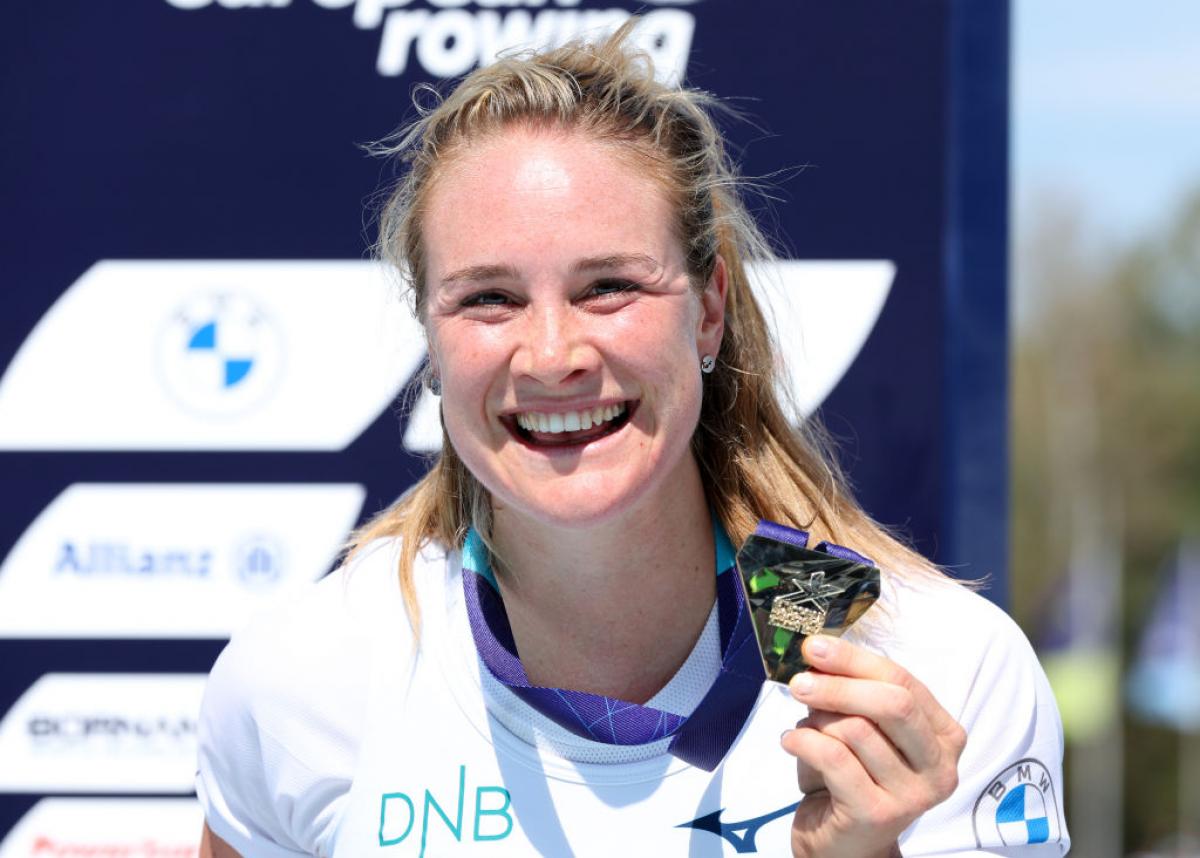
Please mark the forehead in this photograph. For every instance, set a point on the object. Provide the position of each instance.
(543, 194)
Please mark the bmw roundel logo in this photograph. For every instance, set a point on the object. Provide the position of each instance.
(1018, 807)
(220, 355)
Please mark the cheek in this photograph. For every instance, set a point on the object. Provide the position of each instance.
(460, 371)
(665, 355)
(464, 400)
(464, 361)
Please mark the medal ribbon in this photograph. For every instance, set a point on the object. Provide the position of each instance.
(701, 739)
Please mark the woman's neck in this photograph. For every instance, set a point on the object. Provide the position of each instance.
(613, 609)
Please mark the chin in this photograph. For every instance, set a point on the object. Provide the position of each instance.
(584, 503)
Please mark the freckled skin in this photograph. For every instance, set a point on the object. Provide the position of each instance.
(529, 207)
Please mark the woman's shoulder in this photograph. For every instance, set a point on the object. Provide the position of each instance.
(924, 606)
(300, 646)
(949, 636)
(981, 668)
(285, 707)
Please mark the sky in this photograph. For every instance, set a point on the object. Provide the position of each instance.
(1106, 110)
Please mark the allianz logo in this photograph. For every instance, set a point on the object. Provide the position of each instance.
(48, 730)
(448, 38)
(255, 561)
(121, 558)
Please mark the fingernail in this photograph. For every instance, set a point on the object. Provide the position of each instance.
(803, 683)
(818, 645)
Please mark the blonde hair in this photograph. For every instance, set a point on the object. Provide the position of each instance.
(754, 461)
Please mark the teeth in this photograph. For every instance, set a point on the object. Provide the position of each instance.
(569, 421)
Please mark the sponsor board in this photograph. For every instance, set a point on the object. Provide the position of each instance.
(107, 828)
(306, 355)
(211, 355)
(169, 560)
(78, 732)
(447, 38)
(820, 312)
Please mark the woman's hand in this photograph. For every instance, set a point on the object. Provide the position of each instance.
(875, 752)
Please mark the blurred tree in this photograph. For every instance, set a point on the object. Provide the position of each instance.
(1106, 412)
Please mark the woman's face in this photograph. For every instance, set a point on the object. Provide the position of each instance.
(564, 328)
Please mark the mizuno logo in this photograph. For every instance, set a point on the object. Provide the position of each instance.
(740, 834)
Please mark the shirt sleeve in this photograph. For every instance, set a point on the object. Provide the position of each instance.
(1009, 798)
(232, 782)
(284, 712)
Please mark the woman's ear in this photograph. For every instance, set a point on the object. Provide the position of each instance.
(431, 377)
(712, 309)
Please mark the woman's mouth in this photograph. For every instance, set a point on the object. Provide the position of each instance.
(569, 428)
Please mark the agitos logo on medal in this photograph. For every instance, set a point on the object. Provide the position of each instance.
(447, 38)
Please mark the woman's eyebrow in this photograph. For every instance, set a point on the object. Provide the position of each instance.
(617, 260)
(609, 262)
(477, 273)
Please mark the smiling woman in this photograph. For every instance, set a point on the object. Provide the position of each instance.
(576, 305)
(537, 641)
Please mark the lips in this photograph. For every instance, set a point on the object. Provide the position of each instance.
(569, 428)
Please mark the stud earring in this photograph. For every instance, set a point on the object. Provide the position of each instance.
(433, 383)
(707, 364)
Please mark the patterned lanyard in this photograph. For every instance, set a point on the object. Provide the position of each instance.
(701, 739)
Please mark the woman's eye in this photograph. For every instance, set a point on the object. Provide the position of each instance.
(486, 299)
(613, 287)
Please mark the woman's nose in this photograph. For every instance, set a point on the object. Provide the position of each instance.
(555, 348)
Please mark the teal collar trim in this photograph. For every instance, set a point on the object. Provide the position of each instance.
(475, 558)
(475, 555)
(724, 548)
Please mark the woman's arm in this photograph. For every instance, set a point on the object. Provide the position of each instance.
(212, 846)
(880, 745)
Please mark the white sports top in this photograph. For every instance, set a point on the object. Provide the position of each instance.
(327, 730)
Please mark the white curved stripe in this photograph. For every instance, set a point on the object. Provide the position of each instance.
(348, 344)
(822, 313)
(169, 560)
(130, 827)
(424, 431)
(97, 732)
(107, 369)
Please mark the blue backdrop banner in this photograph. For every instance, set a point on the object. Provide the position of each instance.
(203, 371)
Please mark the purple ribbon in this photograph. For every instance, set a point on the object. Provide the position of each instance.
(701, 739)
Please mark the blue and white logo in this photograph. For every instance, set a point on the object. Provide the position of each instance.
(1021, 816)
(259, 561)
(169, 560)
(1018, 807)
(221, 355)
(176, 363)
(193, 354)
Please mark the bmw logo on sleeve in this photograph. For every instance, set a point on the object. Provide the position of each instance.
(1018, 807)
